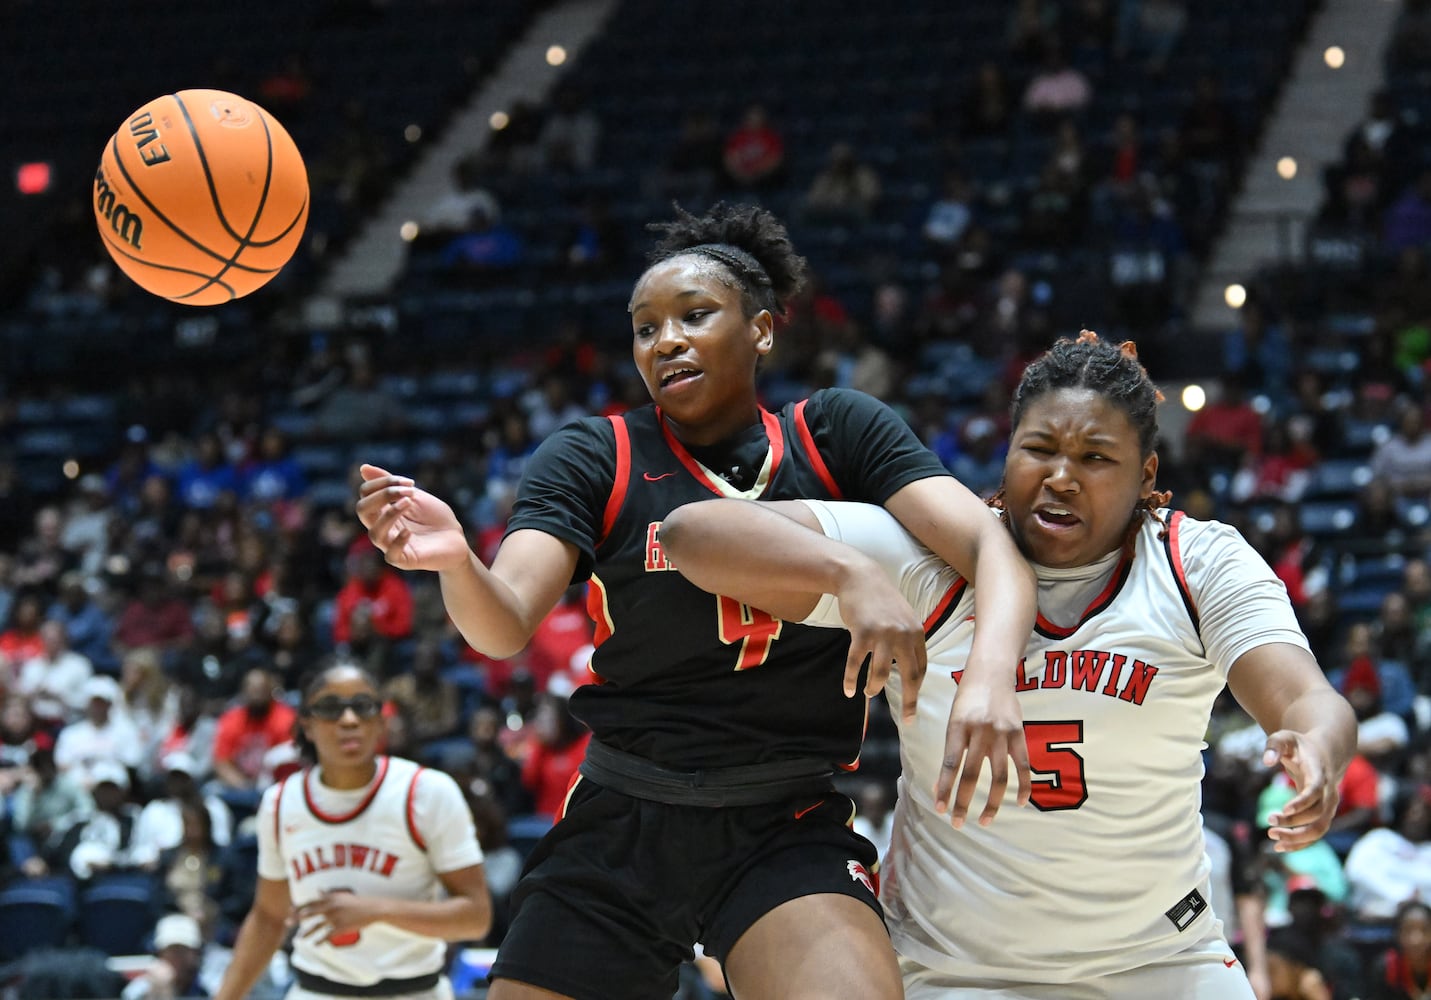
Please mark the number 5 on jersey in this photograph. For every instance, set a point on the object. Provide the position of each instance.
(752, 628)
(1058, 781)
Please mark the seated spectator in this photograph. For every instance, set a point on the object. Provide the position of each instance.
(1374, 689)
(247, 731)
(1395, 632)
(951, 213)
(380, 591)
(148, 703)
(161, 821)
(554, 755)
(274, 474)
(1404, 971)
(155, 616)
(1403, 461)
(87, 524)
(192, 733)
(45, 807)
(452, 212)
(754, 153)
(594, 245)
(1226, 431)
(54, 682)
(188, 871)
(1282, 470)
(486, 246)
(87, 625)
(1318, 920)
(178, 955)
(1389, 865)
(104, 735)
(205, 474)
(1057, 88)
(42, 557)
(21, 639)
(430, 702)
(979, 463)
(106, 842)
(571, 134)
(1258, 350)
(846, 190)
(360, 407)
(491, 763)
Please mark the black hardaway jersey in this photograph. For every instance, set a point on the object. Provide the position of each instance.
(685, 678)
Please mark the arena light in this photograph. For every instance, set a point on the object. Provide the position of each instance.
(71, 469)
(556, 55)
(32, 178)
(1286, 168)
(1194, 398)
(1335, 56)
(412, 133)
(1235, 296)
(408, 231)
(499, 120)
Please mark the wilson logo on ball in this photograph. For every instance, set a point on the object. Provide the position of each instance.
(126, 225)
(141, 126)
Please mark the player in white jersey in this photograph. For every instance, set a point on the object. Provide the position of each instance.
(1100, 889)
(374, 859)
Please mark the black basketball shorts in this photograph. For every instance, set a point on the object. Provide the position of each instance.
(615, 896)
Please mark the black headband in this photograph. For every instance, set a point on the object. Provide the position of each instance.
(733, 257)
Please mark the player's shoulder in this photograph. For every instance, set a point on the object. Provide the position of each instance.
(840, 403)
(1190, 534)
(424, 781)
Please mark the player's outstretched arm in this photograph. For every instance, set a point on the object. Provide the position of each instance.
(985, 722)
(773, 557)
(259, 936)
(1312, 734)
(496, 609)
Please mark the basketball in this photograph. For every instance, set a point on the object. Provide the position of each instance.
(201, 197)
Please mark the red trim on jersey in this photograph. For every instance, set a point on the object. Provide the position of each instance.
(1175, 558)
(1049, 630)
(945, 607)
(694, 467)
(278, 811)
(807, 441)
(596, 610)
(623, 475)
(411, 818)
(367, 799)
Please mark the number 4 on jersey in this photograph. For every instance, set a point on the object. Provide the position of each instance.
(752, 628)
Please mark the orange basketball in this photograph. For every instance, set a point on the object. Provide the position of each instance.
(201, 197)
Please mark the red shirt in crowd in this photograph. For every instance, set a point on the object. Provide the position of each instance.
(242, 739)
(389, 600)
(547, 772)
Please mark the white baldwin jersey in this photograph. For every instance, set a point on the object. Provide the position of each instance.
(390, 839)
(1106, 870)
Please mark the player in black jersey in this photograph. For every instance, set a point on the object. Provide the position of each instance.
(705, 810)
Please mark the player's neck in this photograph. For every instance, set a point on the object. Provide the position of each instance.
(346, 778)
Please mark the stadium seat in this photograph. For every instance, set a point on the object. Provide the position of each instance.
(117, 913)
(35, 913)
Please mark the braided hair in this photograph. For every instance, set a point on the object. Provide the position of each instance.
(1115, 373)
(750, 244)
(308, 687)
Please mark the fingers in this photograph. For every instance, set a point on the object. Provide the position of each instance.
(913, 664)
(369, 472)
(954, 751)
(855, 664)
(1019, 751)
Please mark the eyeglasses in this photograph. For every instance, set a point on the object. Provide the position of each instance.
(331, 708)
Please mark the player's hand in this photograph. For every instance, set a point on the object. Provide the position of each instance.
(1307, 815)
(886, 633)
(985, 724)
(413, 528)
(335, 917)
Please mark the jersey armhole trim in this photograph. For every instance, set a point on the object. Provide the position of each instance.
(807, 441)
(1173, 549)
(411, 811)
(617, 497)
(278, 813)
(945, 607)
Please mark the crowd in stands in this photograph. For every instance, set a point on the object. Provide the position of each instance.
(161, 601)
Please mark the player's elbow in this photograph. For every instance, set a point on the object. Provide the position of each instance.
(676, 528)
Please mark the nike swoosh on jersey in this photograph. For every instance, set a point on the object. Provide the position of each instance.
(808, 809)
(655, 479)
(1229, 962)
